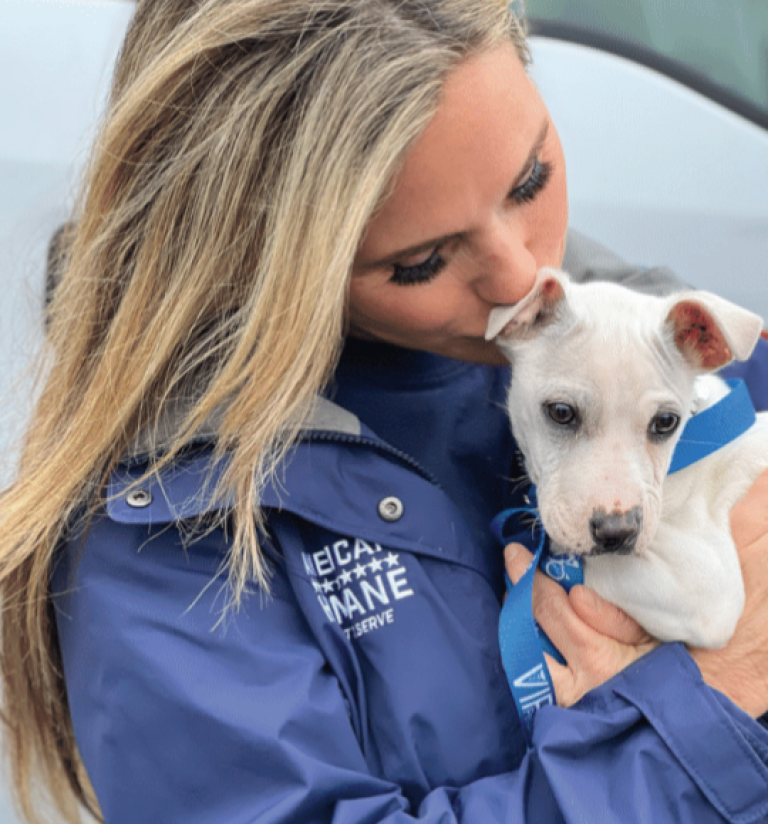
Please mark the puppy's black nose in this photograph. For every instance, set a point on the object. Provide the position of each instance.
(616, 533)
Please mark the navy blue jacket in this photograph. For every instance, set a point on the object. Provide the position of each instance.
(368, 686)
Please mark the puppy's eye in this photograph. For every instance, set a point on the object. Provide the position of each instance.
(561, 413)
(663, 424)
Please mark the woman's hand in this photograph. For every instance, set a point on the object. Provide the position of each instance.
(597, 639)
(740, 669)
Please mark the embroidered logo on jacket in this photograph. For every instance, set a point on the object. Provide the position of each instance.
(357, 584)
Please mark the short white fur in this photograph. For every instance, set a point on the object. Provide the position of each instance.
(627, 365)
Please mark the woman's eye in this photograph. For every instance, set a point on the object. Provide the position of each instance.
(421, 272)
(664, 424)
(540, 173)
(562, 414)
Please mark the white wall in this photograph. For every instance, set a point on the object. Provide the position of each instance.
(55, 62)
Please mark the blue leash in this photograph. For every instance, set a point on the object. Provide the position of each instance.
(522, 642)
(715, 427)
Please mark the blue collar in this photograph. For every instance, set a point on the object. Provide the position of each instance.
(714, 427)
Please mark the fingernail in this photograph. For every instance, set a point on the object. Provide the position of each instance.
(511, 551)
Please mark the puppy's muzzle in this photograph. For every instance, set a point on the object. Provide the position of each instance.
(617, 532)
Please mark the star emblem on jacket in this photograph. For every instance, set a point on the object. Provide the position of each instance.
(358, 584)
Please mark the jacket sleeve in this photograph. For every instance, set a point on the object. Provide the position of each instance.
(754, 372)
(181, 719)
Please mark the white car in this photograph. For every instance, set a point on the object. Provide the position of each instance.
(663, 114)
(662, 168)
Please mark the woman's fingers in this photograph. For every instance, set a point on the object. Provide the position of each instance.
(592, 655)
(740, 668)
(749, 518)
(550, 601)
(597, 613)
(606, 618)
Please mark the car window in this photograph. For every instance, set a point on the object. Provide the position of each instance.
(719, 48)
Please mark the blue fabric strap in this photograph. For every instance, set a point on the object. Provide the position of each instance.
(715, 426)
(522, 642)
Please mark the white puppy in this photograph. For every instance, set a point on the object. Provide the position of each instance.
(604, 380)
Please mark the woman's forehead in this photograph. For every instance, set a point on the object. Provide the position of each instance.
(478, 142)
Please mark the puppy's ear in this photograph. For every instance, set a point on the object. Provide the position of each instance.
(533, 312)
(710, 331)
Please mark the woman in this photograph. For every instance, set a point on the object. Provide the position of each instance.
(226, 598)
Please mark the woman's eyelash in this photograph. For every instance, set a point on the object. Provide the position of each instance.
(533, 184)
(423, 272)
(419, 272)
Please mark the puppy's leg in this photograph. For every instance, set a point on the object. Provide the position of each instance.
(686, 587)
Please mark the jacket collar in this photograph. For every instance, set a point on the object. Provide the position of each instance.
(325, 416)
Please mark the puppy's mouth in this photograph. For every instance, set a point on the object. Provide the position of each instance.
(595, 551)
(591, 551)
(560, 549)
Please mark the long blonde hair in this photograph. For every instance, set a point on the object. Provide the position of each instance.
(246, 146)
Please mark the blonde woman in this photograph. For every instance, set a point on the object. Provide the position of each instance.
(246, 568)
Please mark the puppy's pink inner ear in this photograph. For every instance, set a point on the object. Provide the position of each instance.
(698, 337)
(550, 294)
(551, 290)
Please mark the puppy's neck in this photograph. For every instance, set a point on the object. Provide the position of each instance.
(708, 390)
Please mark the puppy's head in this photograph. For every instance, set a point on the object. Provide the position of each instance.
(602, 386)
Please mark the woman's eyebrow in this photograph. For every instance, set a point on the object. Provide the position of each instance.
(432, 243)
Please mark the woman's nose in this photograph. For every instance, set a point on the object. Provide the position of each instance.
(509, 269)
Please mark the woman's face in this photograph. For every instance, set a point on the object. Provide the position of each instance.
(479, 206)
